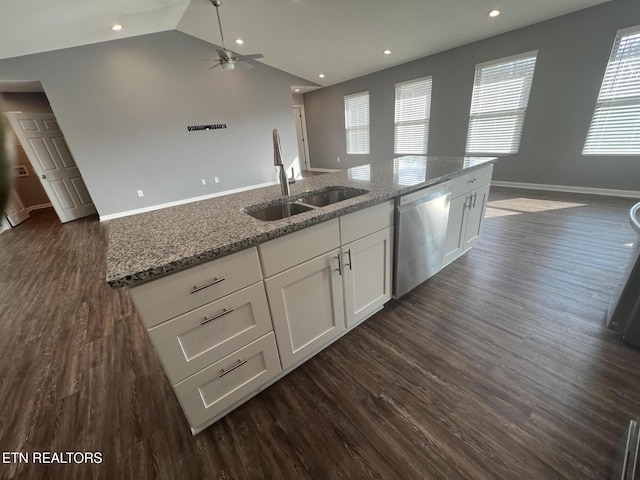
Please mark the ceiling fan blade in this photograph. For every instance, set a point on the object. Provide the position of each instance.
(252, 56)
(245, 65)
(216, 65)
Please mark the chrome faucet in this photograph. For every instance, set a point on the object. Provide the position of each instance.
(277, 161)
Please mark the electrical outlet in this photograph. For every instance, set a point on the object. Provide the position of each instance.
(204, 182)
(216, 179)
(338, 159)
(140, 193)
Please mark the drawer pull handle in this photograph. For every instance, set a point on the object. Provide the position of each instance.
(196, 289)
(339, 265)
(217, 315)
(224, 371)
(349, 264)
(473, 181)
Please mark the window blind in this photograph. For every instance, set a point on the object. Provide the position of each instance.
(412, 109)
(615, 126)
(356, 122)
(500, 96)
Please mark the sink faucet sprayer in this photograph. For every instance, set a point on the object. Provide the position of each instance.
(277, 161)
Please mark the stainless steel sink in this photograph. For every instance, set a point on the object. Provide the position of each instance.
(310, 201)
(331, 196)
(279, 211)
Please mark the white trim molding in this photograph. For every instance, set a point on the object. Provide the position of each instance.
(151, 208)
(38, 207)
(568, 189)
(327, 170)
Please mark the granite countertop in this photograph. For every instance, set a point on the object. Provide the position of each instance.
(149, 245)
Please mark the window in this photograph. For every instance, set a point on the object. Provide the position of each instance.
(615, 126)
(499, 103)
(413, 104)
(356, 122)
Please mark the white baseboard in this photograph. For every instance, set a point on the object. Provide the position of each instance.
(568, 189)
(328, 170)
(38, 207)
(127, 213)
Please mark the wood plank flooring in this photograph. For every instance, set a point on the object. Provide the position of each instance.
(499, 367)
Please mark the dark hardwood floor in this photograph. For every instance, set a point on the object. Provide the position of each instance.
(499, 367)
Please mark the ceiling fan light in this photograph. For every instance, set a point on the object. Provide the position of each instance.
(228, 65)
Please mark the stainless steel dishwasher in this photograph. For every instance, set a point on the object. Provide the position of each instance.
(420, 231)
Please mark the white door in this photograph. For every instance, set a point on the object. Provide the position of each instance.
(15, 211)
(476, 216)
(47, 151)
(367, 275)
(307, 307)
(301, 133)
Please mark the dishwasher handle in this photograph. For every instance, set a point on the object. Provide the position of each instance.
(413, 201)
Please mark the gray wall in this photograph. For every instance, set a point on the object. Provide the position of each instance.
(573, 53)
(124, 107)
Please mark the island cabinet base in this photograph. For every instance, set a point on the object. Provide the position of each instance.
(226, 329)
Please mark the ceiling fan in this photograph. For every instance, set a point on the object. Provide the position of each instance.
(228, 60)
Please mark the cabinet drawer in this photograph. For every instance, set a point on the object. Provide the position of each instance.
(470, 181)
(295, 248)
(216, 388)
(192, 341)
(364, 222)
(180, 292)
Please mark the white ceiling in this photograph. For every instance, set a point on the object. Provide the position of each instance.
(341, 38)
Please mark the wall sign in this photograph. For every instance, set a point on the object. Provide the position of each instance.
(214, 126)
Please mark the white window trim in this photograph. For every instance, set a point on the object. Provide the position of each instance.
(633, 101)
(511, 58)
(425, 120)
(359, 128)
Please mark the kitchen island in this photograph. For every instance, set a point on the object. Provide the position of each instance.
(233, 303)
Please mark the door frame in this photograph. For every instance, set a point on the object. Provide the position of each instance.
(305, 139)
(29, 153)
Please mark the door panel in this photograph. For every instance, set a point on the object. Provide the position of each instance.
(307, 307)
(49, 154)
(476, 215)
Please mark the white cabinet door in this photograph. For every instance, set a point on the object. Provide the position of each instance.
(306, 306)
(455, 228)
(466, 214)
(367, 275)
(478, 205)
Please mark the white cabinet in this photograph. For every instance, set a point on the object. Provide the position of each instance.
(196, 339)
(307, 307)
(367, 237)
(469, 194)
(475, 216)
(212, 330)
(314, 302)
(367, 275)
(208, 393)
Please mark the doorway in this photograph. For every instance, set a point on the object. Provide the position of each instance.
(301, 133)
(46, 149)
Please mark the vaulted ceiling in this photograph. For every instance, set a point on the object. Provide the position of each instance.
(341, 39)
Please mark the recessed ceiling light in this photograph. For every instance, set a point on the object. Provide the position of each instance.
(494, 13)
(321, 75)
(296, 90)
(116, 28)
(239, 41)
(387, 52)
